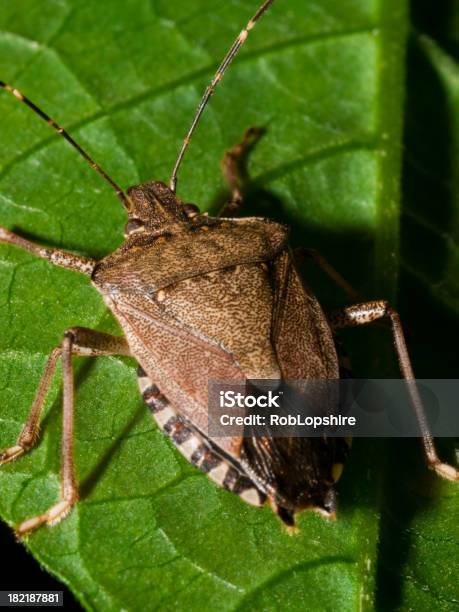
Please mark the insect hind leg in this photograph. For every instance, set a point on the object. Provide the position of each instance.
(371, 312)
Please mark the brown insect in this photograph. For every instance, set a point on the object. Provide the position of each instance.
(202, 298)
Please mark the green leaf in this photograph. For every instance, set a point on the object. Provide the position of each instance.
(419, 531)
(326, 78)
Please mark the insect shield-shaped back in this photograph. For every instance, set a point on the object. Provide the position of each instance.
(202, 299)
(180, 285)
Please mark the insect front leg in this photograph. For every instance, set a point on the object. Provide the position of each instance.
(369, 312)
(234, 167)
(77, 341)
(55, 256)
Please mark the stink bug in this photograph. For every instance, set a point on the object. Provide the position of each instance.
(202, 298)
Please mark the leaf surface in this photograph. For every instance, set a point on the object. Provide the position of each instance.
(419, 560)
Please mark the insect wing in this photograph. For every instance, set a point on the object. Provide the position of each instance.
(192, 362)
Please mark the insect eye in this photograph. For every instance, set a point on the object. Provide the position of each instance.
(191, 210)
(132, 226)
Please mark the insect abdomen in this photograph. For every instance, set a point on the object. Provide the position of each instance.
(195, 447)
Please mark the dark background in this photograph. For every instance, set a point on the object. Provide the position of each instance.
(20, 571)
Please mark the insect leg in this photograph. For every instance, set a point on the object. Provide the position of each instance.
(29, 434)
(60, 258)
(77, 341)
(330, 271)
(234, 167)
(86, 342)
(369, 312)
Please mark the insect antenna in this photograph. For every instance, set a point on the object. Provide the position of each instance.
(119, 192)
(240, 40)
